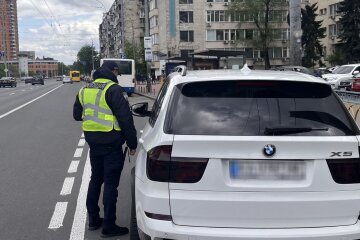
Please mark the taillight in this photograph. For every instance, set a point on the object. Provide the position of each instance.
(158, 163)
(345, 171)
(160, 167)
(187, 170)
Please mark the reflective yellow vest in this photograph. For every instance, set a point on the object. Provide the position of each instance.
(97, 116)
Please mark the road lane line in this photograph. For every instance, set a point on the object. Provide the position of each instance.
(78, 152)
(15, 109)
(58, 215)
(81, 143)
(82, 135)
(73, 167)
(67, 186)
(11, 93)
(78, 227)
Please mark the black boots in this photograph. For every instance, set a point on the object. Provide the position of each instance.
(114, 231)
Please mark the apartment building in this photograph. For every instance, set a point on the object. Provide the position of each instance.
(179, 28)
(125, 21)
(327, 12)
(9, 42)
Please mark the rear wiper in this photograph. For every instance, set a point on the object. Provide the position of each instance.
(290, 130)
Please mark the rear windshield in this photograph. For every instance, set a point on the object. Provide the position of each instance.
(251, 108)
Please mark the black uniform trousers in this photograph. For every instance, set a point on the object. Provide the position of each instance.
(106, 165)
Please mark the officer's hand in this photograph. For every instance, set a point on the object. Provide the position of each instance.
(132, 152)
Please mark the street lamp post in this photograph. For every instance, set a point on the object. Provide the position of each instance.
(295, 32)
(147, 34)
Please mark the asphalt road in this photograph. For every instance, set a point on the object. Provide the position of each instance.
(43, 165)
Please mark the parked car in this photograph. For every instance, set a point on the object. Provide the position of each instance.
(67, 79)
(242, 154)
(344, 72)
(38, 79)
(27, 79)
(356, 83)
(8, 82)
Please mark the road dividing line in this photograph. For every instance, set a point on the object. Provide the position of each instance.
(78, 152)
(11, 93)
(20, 107)
(73, 167)
(82, 135)
(67, 186)
(78, 227)
(58, 215)
(81, 143)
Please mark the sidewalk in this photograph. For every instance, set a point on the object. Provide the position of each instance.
(142, 90)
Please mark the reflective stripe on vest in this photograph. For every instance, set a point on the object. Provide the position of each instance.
(97, 116)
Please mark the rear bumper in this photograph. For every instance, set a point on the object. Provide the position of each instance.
(168, 230)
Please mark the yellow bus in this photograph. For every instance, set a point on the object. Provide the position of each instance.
(75, 76)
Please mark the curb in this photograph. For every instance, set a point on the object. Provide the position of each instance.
(140, 94)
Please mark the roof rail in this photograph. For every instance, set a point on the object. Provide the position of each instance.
(182, 69)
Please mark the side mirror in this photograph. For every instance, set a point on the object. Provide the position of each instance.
(140, 109)
(355, 72)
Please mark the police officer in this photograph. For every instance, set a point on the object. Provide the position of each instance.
(107, 124)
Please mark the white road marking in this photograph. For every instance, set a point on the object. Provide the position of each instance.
(58, 215)
(15, 109)
(11, 93)
(67, 186)
(73, 167)
(82, 135)
(78, 227)
(78, 152)
(81, 143)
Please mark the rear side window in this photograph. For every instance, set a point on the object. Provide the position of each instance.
(251, 108)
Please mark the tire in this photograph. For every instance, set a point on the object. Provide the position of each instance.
(134, 234)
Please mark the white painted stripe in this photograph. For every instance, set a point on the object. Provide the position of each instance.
(78, 227)
(78, 152)
(58, 215)
(11, 93)
(73, 167)
(67, 186)
(82, 135)
(15, 109)
(81, 143)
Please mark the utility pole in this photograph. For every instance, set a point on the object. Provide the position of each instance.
(147, 34)
(92, 54)
(295, 32)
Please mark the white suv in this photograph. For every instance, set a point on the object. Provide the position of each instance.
(341, 77)
(241, 154)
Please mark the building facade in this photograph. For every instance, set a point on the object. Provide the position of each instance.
(29, 67)
(327, 12)
(9, 43)
(124, 22)
(179, 28)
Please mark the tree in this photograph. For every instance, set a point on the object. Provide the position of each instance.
(136, 52)
(62, 68)
(312, 33)
(84, 61)
(350, 34)
(337, 58)
(266, 15)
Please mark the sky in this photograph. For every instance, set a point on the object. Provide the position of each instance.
(59, 28)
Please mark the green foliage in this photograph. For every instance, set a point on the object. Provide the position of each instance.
(2, 72)
(84, 60)
(63, 69)
(350, 34)
(312, 33)
(266, 16)
(136, 52)
(337, 58)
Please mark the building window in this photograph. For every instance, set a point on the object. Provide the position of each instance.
(153, 4)
(186, 17)
(333, 30)
(323, 11)
(185, 1)
(216, 16)
(333, 8)
(186, 36)
(153, 21)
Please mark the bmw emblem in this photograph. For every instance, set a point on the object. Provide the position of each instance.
(269, 150)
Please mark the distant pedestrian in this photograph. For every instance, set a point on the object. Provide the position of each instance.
(107, 124)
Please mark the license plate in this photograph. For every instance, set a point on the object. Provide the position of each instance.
(293, 170)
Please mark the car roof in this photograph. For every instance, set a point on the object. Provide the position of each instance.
(213, 75)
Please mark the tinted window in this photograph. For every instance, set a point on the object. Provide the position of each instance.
(248, 108)
(158, 103)
(343, 70)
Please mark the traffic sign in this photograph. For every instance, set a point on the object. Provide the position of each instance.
(2, 54)
(6, 70)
